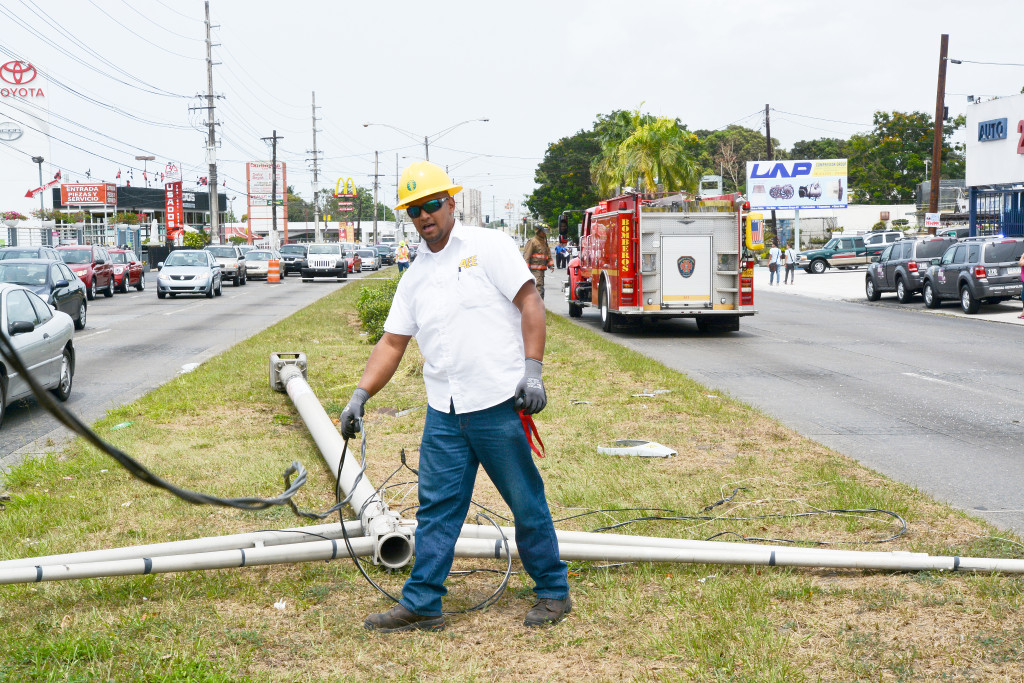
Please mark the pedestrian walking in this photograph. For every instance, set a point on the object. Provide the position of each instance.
(474, 310)
(402, 256)
(789, 261)
(561, 255)
(537, 255)
(774, 256)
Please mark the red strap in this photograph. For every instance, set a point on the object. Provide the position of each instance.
(530, 427)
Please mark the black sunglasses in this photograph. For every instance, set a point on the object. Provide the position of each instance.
(430, 207)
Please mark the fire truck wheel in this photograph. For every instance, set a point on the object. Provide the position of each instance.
(607, 322)
(575, 310)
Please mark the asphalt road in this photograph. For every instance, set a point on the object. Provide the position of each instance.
(134, 342)
(930, 398)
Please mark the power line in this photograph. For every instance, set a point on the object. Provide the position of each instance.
(818, 118)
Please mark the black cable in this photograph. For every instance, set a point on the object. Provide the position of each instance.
(134, 467)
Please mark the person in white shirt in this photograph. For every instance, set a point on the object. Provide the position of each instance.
(774, 255)
(473, 307)
(789, 260)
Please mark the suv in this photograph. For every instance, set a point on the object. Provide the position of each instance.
(325, 259)
(232, 260)
(838, 252)
(902, 266)
(975, 272)
(293, 257)
(876, 242)
(91, 263)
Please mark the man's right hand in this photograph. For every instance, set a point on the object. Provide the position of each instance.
(352, 416)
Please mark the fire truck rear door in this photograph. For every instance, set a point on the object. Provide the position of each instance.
(686, 271)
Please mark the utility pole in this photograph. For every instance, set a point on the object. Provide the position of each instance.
(771, 156)
(940, 102)
(211, 144)
(376, 170)
(316, 181)
(273, 189)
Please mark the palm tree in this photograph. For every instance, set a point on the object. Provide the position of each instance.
(640, 150)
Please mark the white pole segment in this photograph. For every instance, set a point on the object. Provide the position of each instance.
(195, 545)
(223, 559)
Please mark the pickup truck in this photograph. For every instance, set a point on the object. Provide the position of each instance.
(838, 252)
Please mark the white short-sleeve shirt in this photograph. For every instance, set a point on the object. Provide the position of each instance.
(457, 303)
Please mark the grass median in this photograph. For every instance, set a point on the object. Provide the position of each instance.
(738, 475)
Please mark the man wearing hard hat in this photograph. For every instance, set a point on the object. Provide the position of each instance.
(537, 255)
(474, 309)
(402, 256)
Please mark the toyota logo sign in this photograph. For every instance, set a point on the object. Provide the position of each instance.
(10, 131)
(18, 72)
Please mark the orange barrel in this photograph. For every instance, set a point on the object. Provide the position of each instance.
(274, 271)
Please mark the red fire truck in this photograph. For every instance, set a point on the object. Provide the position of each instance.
(667, 257)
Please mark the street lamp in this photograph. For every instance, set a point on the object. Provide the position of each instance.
(427, 139)
(144, 159)
(39, 160)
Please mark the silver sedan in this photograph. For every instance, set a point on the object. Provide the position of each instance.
(189, 271)
(42, 338)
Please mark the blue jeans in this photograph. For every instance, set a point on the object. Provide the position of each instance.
(774, 276)
(402, 265)
(453, 447)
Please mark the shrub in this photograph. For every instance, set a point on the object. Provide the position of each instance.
(195, 240)
(373, 305)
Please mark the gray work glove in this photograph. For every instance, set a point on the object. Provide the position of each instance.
(352, 416)
(530, 395)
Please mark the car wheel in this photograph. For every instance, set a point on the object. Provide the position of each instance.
(124, 284)
(930, 300)
(237, 281)
(903, 295)
(172, 294)
(607, 324)
(109, 291)
(160, 295)
(968, 302)
(3, 402)
(90, 291)
(818, 266)
(142, 282)
(209, 292)
(80, 319)
(63, 389)
(575, 310)
(870, 290)
(220, 288)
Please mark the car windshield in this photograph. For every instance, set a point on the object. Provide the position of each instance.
(293, 249)
(186, 258)
(367, 253)
(931, 248)
(383, 250)
(258, 256)
(18, 253)
(324, 249)
(23, 273)
(832, 244)
(76, 255)
(118, 257)
(222, 252)
(1001, 252)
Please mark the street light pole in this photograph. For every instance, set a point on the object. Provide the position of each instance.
(46, 239)
(144, 159)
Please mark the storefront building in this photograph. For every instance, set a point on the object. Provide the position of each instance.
(995, 166)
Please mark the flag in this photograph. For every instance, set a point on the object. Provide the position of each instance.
(118, 176)
(127, 183)
(57, 176)
(144, 176)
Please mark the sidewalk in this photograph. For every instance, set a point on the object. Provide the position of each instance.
(848, 285)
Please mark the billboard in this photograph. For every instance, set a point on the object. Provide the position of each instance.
(88, 194)
(995, 142)
(174, 213)
(809, 184)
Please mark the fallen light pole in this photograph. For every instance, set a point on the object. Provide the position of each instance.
(382, 535)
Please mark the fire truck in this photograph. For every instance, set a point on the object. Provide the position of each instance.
(649, 258)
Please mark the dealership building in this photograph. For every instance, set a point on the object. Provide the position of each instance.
(995, 166)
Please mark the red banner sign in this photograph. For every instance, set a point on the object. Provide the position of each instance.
(174, 212)
(88, 194)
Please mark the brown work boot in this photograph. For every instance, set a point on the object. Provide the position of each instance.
(398, 618)
(547, 611)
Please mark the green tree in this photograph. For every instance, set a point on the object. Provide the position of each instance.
(563, 177)
(726, 153)
(887, 163)
(641, 150)
(822, 148)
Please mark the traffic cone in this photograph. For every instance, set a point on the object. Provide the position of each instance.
(274, 271)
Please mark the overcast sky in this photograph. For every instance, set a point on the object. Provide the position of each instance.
(538, 70)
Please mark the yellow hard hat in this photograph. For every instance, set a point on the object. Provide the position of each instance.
(402, 243)
(422, 179)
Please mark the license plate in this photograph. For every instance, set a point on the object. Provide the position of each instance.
(1013, 271)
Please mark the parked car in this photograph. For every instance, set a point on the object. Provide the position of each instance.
(369, 257)
(902, 266)
(232, 261)
(354, 261)
(325, 259)
(876, 242)
(294, 256)
(43, 252)
(189, 271)
(52, 281)
(90, 262)
(386, 253)
(128, 270)
(257, 263)
(838, 252)
(976, 272)
(42, 337)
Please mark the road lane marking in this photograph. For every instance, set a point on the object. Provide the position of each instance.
(90, 335)
(183, 308)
